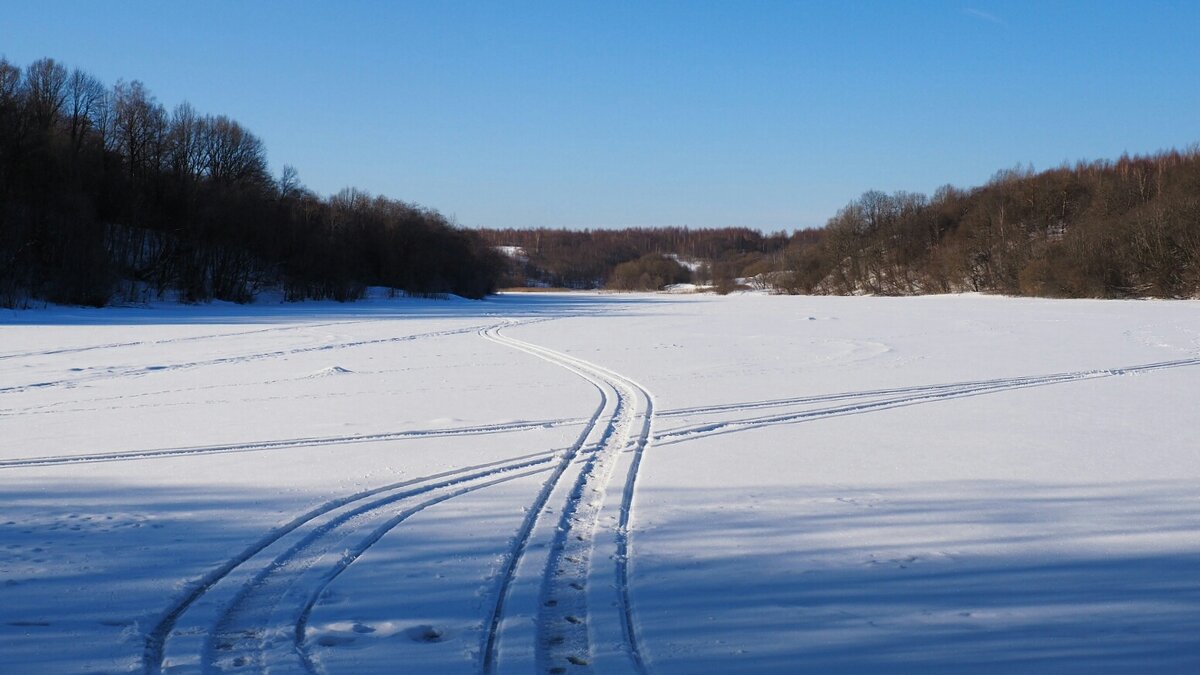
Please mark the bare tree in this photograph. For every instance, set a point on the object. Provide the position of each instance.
(10, 82)
(46, 87)
(185, 143)
(139, 124)
(289, 182)
(231, 153)
(85, 96)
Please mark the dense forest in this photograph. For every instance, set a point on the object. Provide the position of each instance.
(106, 196)
(1103, 229)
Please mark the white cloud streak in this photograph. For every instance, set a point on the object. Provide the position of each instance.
(985, 16)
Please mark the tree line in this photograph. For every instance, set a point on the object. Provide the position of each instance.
(625, 258)
(1103, 229)
(105, 195)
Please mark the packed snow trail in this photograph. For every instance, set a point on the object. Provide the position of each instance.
(564, 625)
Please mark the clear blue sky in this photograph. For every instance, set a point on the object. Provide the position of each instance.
(590, 114)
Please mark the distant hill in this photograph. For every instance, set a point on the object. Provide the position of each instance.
(1101, 229)
(594, 258)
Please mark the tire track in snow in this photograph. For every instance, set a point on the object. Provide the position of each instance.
(257, 446)
(910, 396)
(138, 371)
(313, 521)
(564, 623)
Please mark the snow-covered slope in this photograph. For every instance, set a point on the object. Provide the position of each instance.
(599, 483)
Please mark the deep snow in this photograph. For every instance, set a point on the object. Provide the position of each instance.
(605, 483)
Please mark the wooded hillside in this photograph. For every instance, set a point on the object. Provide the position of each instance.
(589, 258)
(105, 195)
(1107, 229)
(1104, 229)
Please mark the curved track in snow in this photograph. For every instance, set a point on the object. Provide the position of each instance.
(564, 625)
(278, 600)
(881, 399)
(306, 540)
(257, 603)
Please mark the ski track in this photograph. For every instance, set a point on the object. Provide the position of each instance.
(563, 621)
(242, 633)
(323, 542)
(624, 549)
(359, 503)
(264, 625)
(909, 396)
(300, 625)
(520, 543)
(170, 341)
(55, 407)
(138, 371)
(799, 400)
(250, 630)
(59, 406)
(258, 446)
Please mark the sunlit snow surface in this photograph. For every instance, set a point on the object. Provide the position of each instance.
(602, 483)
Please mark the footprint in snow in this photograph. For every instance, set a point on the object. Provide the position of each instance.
(425, 633)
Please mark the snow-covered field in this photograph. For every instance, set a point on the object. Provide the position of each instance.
(572, 483)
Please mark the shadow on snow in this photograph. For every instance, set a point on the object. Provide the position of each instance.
(991, 577)
(523, 305)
